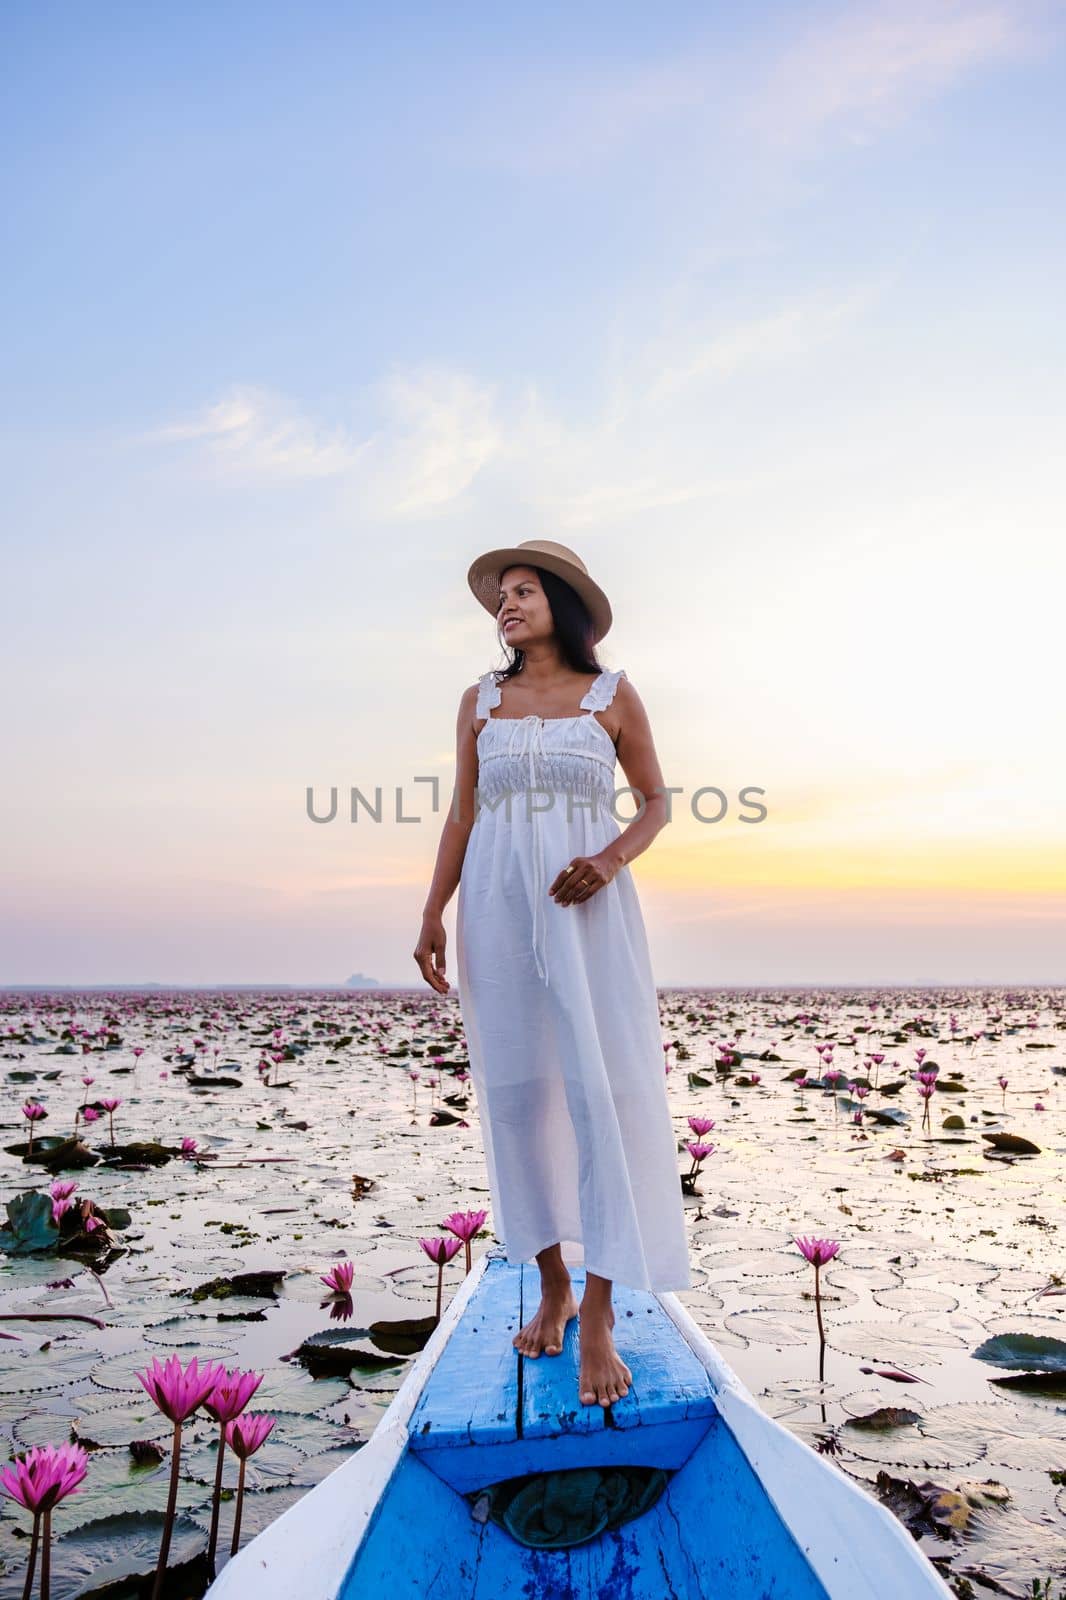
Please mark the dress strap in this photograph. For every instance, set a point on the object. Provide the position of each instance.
(488, 694)
(602, 691)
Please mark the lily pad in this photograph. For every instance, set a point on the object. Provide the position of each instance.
(29, 1225)
(1014, 1143)
(884, 1418)
(1023, 1351)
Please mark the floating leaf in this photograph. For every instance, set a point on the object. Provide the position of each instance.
(1049, 1383)
(1012, 1142)
(1026, 1351)
(883, 1418)
(29, 1225)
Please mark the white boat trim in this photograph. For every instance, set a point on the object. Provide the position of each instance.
(293, 1556)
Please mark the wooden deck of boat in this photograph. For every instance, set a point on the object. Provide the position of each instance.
(526, 1411)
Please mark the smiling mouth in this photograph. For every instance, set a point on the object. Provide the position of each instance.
(511, 620)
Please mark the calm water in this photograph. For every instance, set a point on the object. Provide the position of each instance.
(946, 1241)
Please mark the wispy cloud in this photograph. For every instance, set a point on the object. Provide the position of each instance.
(254, 430)
(802, 324)
(437, 429)
(848, 70)
(434, 431)
(441, 427)
(865, 67)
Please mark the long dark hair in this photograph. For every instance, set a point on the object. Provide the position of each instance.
(573, 628)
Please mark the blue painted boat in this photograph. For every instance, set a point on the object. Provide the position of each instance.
(486, 1477)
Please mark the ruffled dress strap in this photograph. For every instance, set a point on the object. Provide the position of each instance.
(602, 691)
(488, 694)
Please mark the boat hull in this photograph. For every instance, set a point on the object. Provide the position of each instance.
(746, 1509)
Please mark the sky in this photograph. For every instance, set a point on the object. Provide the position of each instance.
(757, 309)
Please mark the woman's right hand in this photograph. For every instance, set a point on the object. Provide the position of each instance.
(429, 952)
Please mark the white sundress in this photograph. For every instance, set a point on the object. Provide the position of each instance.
(560, 1009)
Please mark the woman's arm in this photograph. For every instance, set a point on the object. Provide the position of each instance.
(640, 763)
(429, 952)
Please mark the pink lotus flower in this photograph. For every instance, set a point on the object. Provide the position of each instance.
(700, 1152)
(339, 1278)
(39, 1480)
(58, 1209)
(440, 1250)
(92, 1223)
(62, 1188)
(244, 1435)
(465, 1224)
(701, 1125)
(89, 1115)
(231, 1394)
(818, 1251)
(179, 1391)
(755, 1077)
(188, 1146)
(34, 1111)
(44, 1475)
(225, 1403)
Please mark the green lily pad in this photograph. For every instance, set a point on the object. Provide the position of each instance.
(1026, 1351)
(1014, 1143)
(29, 1225)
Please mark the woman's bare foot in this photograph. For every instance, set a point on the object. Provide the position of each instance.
(545, 1330)
(604, 1376)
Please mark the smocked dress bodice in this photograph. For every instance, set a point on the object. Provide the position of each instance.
(557, 755)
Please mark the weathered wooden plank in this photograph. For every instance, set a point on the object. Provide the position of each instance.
(472, 1393)
(670, 1384)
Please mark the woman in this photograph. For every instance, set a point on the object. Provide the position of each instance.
(555, 984)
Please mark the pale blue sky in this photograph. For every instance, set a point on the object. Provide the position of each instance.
(760, 310)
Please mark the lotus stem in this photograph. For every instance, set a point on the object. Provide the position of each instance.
(46, 1556)
(217, 1499)
(168, 1523)
(32, 1568)
(237, 1516)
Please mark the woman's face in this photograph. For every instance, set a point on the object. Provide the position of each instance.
(524, 614)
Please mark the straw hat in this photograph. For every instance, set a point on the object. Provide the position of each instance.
(484, 577)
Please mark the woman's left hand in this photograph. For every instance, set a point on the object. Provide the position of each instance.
(581, 879)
